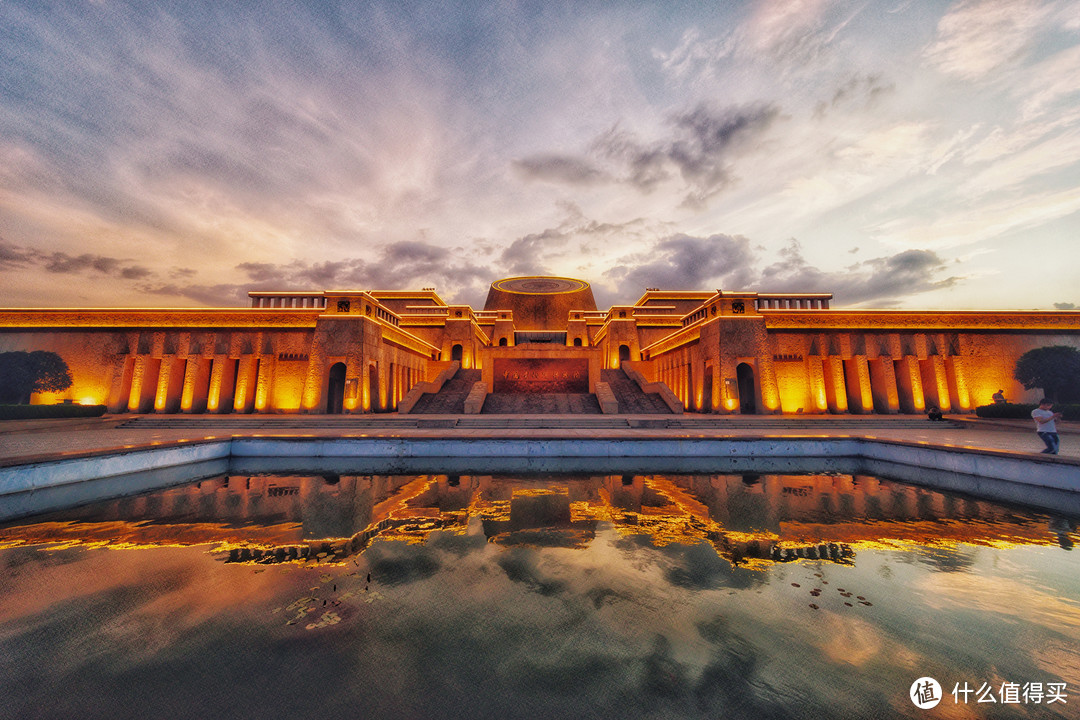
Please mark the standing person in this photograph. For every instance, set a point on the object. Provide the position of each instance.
(1045, 426)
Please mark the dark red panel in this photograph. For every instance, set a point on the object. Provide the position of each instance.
(540, 375)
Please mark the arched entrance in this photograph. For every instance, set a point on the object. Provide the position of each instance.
(745, 375)
(456, 352)
(335, 391)
(624, 353)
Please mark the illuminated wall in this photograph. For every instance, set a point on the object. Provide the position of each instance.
(276, 359)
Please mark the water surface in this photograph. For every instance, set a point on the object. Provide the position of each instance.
(620, 596)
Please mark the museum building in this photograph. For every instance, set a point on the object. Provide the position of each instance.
(540, 344)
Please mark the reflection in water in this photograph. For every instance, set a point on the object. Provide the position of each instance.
(751, 520)
(490, 596)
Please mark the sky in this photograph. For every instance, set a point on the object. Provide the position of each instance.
(899, 154)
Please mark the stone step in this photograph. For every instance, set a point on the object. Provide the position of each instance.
(450, 400)
(541, 404)
(632, 399)
(531, 420)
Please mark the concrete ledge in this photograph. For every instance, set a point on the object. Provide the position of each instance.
(608, 404)
(95, 466)
(1017, 468)
(1006, 475)
(474, 401)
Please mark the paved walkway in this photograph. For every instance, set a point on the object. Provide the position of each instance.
(44, 439)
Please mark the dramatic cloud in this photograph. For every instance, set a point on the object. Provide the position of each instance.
(16, 257)
(880, 280)
(523, 257)
(701, 144)
(688, 263)
(560, 169)
(398, 266)
(978, 36)
(859, 91)
(728, 263)
(184, 149)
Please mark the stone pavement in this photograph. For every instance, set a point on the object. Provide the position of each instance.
(38, 440)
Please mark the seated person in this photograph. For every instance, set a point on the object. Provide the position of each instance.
(934, 414)
(999, 397)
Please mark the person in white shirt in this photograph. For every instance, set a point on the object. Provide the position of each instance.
(1045, 426)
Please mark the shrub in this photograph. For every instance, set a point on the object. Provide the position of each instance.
(36, 412)
(1054, 369)
(25, 373)
(1023, 411)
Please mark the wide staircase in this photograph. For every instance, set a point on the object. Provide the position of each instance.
(541, 404)
(632, 400)
(451, 399)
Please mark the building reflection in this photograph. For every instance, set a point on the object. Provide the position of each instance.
(751, 520)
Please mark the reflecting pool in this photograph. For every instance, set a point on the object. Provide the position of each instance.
(621, 596)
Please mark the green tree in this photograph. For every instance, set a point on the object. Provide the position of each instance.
(1054, 369)
(24, 373)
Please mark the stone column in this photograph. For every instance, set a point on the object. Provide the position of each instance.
(729, 391)
(264, 381)
(165, 376)
(312, 399)
(245, 383)
(958, 386)
(354, 370)
(770, 391)
(857, 374)
(138, 377)
(217, 373)
(938, 393)
(909, 382)
(835, 386)
(883, 385)
(815, 380)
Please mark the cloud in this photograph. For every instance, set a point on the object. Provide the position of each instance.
(979, 36)
(683, 262)
(860, 91)
(699, 147)
(883, 280)
(783, 39)
(15, 257)
(396, 266)
(523, 256)
(563, 169)
(221, 295)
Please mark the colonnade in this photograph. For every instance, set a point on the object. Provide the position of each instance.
(856, 384)
(154, 381)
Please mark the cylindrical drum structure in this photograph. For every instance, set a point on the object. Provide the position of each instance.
(540, 303)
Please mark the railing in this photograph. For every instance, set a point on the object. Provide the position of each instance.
(792, 302)
(288, 301)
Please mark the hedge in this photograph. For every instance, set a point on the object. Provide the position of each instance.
(1023, 410)
(37, 412)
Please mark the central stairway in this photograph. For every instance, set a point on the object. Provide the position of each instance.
(632, 400)
(541, 404)
(451, 399)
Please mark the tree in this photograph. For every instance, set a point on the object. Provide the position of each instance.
(1055, 369)
(24, 373)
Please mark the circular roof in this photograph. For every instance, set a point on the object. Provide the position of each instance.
(540, 285)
